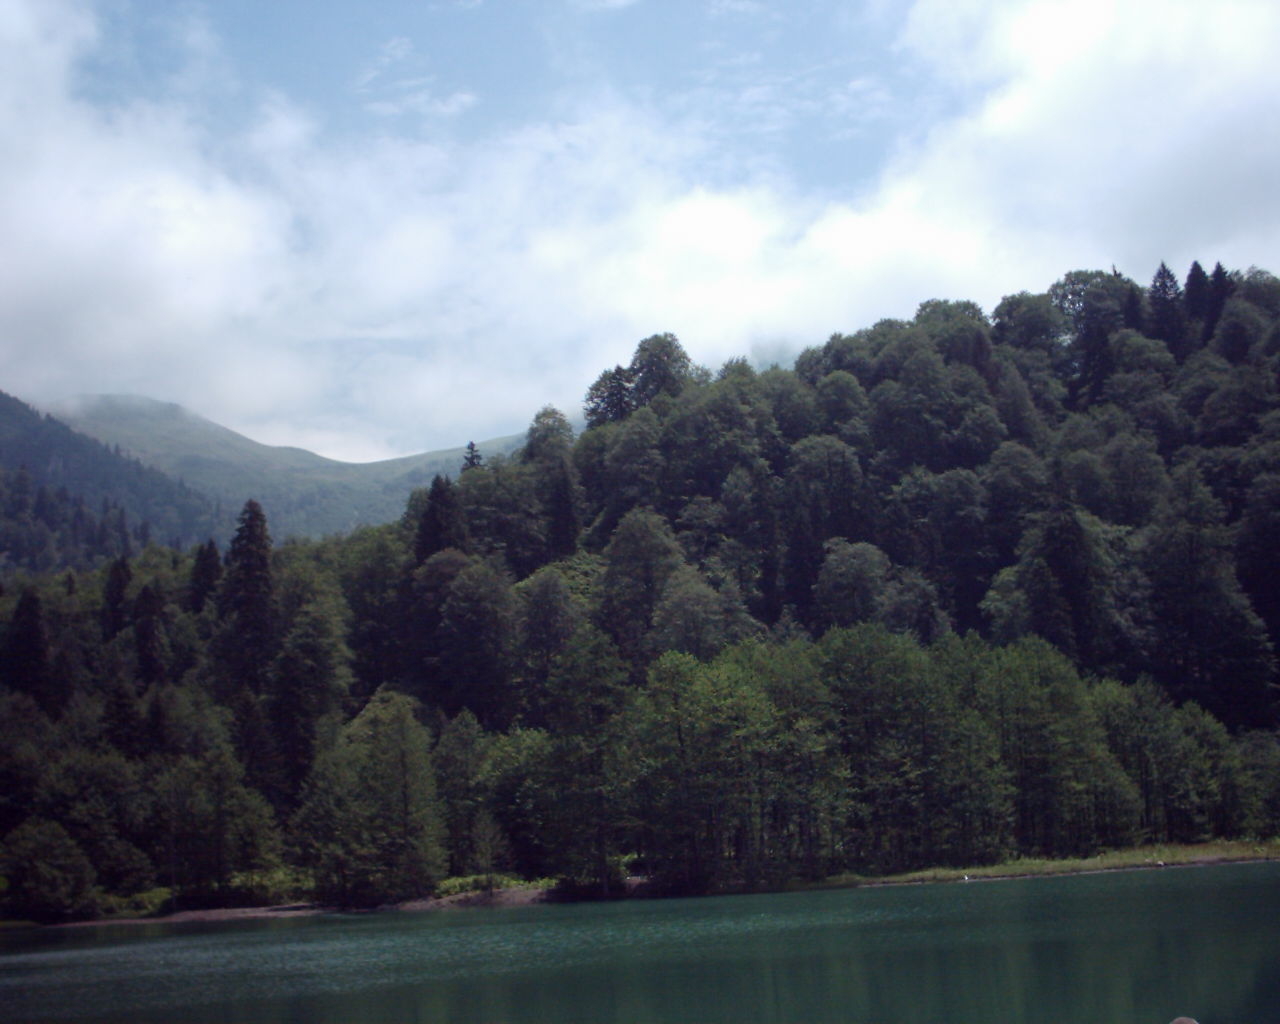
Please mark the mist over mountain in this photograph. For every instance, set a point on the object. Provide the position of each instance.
(69, 499)
(305, 494)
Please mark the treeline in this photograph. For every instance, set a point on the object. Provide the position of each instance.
(950, 590)
(43, 529)
(67, 500)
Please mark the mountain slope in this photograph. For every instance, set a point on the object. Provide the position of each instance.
(56, 459)
(303, 494)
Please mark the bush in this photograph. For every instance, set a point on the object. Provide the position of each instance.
(49, 875)
(478, 883)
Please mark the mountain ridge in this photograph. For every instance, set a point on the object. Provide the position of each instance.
(305, 493)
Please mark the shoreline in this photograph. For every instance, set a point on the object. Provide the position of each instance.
(518, 896)
(512, 896)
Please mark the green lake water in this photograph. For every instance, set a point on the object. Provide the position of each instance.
(1133, 947)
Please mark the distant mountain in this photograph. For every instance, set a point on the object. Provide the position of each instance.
(303, 494)
(67, 499)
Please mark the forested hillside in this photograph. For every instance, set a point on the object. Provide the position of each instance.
(308, 495)
(949, 590)
(68, 500)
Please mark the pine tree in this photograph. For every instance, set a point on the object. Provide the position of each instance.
(246, 603)
(115, 611)
(1221, 287)
(205, 574)
(149, 629)
(26, 653)
(1197, 293)
(1168, 319)
(1133, 315)
(310, 677)
(443, 523)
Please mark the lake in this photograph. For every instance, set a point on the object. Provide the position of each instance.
(1132, 947)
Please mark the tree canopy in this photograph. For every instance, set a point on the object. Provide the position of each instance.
(952, 589)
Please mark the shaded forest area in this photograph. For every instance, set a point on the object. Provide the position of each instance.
(68, 500)
(951, 589)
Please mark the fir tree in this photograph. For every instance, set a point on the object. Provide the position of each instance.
(115, 612)
(1168, 320)
(1197, 293)
(442, 524)
(26, 653)
(205, 574)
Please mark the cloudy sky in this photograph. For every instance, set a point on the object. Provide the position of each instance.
(383, 227)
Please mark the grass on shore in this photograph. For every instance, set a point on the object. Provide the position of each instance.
(1159, 855)
(459, 884)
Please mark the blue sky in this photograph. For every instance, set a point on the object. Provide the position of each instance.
(377, 228)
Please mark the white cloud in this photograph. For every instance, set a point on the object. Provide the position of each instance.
(394, 51)
(408, 290)
(1129, 130)
(395, 86)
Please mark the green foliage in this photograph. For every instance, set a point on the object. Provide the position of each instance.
(952, 590)
(458, 885)
(370, 825)
(442, 523)
(210, 824)
(49, 877)
(68, 500)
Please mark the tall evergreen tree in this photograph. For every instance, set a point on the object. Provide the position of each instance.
(1221, 287)
(149, 634)
(310, 678)
(246, 602)
(443, 523)
(1197, 293)
(1168, 319)
(26, 667)
(1134, 318)
(243, 648)
(206, 572)
(115, 609)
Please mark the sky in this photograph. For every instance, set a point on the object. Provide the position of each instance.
(377, 228)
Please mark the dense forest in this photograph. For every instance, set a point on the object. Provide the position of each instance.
(950, 590)
(68, 500)
(308, 495)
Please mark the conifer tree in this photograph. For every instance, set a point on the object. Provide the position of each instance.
(1133, 316)
(26, 653)
(1221, 287)
(115, 612)
(1197, 293)
(442, 524)
(206, 572)
(246, 604)
(149, 634)
(1168, 319)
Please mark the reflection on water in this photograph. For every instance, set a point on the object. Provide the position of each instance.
(1139, 946)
